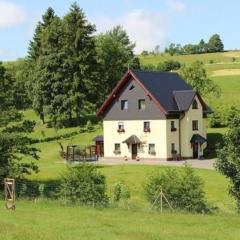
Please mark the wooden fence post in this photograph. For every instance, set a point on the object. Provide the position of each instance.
(10, 193)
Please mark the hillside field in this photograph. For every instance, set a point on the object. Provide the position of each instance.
(45, 219)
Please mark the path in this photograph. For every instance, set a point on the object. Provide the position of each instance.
(205, 164)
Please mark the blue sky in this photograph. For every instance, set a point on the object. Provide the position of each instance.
(148, 22)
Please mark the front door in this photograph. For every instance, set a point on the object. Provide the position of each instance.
(134, 151)
(195, 150)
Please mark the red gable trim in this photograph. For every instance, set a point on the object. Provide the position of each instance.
(162, 109)
(118, 88)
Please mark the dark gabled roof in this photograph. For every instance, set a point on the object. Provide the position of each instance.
(162, 85)
(196, 138)
(167, 89)
(132, 140)
(184, 99)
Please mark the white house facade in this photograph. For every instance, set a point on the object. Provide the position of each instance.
(153, 115)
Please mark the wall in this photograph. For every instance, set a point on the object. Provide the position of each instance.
(133, 113)
(186, 129)
(172, 137)
(157, 136)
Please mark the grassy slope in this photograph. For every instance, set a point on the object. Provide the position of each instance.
(53, 221)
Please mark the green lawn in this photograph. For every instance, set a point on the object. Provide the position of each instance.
(220, 60)
(53, 221)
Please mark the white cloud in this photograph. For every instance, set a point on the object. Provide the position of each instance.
(11, 14)
(7, 53)
(146, 28)
(177, 6)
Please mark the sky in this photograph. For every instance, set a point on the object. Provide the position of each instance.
(147, 22)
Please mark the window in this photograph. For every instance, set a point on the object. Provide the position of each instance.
(146, 126)
(194, 104)
(121, 127)
(132, 87)
(173, 128)
(151, 149)
(124, 104)
(141, 104)
(195, 125)
(117, 148)
(173, 148)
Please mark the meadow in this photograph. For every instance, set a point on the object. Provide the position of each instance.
(45, 219)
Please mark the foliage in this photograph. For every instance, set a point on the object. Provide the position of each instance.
(228, 162)
(184, 190)
(14, 140)
(215, 120)
(83, 184)
(166, 66)
(196, 76)
(8, 111)
(214, 45)
(89, 126)
(62, 54)
(115, 54)
(18, 70)
(120, 192)
(169, 65)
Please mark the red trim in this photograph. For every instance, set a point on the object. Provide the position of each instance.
(113, 94)
(120, 85)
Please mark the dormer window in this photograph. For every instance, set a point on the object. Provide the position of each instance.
(124, 104)
(141, 104)
(195, 104)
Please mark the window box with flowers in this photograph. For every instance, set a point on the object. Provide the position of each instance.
(146, 126)
(152, 152)
(120, 130)
(146, 130)
(117, 152)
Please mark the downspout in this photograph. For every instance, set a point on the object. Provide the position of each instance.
(180, 142)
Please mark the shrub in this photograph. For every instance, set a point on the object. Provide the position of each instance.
(120, 192)
(215, 120)
(211, 61)
(83, 184)
(89, 127)
(183, 189)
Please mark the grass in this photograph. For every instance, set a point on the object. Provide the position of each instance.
(53, 221)
(225, 57)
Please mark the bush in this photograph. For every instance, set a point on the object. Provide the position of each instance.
(120, 192)
(215, 120)
(183, 189)
(83, 184)
(89, 127)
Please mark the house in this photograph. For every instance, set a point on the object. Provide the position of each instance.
(154, 115)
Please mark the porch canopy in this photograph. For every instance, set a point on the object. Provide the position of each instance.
(196, 138)
(132, 140)
(98, 138)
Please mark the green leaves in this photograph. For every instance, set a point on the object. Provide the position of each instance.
(114, 54)
(196, 76)
(228, 162)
